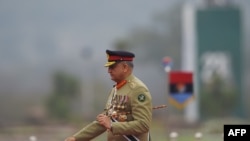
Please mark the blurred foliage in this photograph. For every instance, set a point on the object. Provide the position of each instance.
(66, 88)
(218, 98)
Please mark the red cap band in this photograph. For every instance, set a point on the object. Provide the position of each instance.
(120, 58)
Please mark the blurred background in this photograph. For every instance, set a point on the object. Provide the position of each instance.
(52, 54)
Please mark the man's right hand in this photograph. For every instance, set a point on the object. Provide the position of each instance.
(70, 139)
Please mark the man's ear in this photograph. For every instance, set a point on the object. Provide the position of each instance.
(126, 67)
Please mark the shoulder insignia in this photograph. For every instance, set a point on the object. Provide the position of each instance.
(141, 97)
(132, 84)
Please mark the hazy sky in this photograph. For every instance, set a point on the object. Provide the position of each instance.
(38, 31)
(34, 30)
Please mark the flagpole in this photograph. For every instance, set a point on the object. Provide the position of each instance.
(189, 56)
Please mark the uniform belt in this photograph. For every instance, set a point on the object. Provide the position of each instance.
(128, 137)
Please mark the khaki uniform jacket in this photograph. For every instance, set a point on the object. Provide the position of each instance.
(130, 108)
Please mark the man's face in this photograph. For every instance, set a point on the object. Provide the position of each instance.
(117, 71)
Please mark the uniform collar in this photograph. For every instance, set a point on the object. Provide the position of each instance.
(122, 83)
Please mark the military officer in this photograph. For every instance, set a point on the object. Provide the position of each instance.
(128, 112)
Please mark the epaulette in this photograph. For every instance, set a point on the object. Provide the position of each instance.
(131, 84)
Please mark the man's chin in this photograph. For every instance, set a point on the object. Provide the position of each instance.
(113, 79)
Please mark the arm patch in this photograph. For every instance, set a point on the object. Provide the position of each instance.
(141, 97)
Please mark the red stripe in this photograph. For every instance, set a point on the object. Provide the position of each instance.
(116, 58)
(180, 77)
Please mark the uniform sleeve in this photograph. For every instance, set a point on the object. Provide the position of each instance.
(89, 132)
(141, 112)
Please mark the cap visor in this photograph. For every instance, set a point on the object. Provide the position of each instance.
(109, 64)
